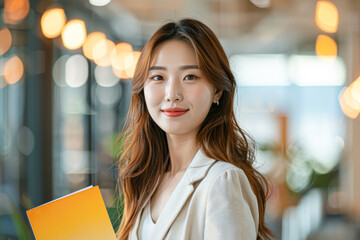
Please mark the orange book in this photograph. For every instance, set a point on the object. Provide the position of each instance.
(80, 215)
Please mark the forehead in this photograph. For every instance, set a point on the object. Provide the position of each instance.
(173, 52)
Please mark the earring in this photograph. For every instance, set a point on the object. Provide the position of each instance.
(217, 102)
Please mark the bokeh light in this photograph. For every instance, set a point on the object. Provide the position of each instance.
(74, 34)
(59, 69)
(13, 70)
(298, 176)
(307, 70)
(90, 42)
(121, 74)
(15, 10)
(325, 46)
(105, 77)
(355, 89)
(261, 3)
(5, 40)
(121, 56)
(245, 68)
(76, 71)
(102, 51)
(135, 58)
(25, 140)
(350, 100)
(99, 3)
(52, 22)
(347, 110)
(3, 83)
(327, 16)
(124, 60)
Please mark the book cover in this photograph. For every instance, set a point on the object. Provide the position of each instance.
(80, 215)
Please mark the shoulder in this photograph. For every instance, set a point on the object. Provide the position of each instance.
(230, 182)
(231, 205)
(224, 171)
(220, 166)
(211, 174)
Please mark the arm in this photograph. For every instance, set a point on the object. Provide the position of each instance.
(231, 209)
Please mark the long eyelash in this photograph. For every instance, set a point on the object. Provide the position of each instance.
(157, 76)
(192, 75)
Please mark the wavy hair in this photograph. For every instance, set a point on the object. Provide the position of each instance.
(145, 154)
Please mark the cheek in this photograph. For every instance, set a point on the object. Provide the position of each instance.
(202, 96)
(152, 96)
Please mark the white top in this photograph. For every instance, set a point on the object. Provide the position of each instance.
(213, 200)
(147, 224)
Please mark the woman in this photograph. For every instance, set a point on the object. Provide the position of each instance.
(186, 169)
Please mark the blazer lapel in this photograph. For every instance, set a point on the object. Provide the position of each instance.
(196, 171)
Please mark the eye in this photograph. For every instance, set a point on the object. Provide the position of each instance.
(157, 78)
(190, 77)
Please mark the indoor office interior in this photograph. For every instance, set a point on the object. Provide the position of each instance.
(66, 71)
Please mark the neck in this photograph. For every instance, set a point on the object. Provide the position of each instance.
(182, 150)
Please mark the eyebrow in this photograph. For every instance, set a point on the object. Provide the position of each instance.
(185, 67)
(189, 67)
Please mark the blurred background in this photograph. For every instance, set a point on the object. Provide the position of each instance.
(65, 79)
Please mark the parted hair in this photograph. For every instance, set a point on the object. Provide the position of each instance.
(145, 153)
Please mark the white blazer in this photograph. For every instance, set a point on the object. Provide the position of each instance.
(213, 200)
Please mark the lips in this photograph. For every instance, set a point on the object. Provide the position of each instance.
(174, 112)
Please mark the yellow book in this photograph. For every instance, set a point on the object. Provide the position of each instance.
(77, 216)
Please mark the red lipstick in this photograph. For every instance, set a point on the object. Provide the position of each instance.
(174, 112)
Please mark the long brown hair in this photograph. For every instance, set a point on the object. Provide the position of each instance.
(145, 155)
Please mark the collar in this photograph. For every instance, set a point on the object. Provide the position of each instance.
(198, 167)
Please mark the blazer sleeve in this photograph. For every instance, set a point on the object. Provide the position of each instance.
(231, 208)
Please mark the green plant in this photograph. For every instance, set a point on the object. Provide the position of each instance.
(17, 218)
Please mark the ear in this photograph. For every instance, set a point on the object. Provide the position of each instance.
(217, 96)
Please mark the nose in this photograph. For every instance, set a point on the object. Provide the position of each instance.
(173, 91)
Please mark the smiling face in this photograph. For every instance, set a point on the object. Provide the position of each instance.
(177, 94)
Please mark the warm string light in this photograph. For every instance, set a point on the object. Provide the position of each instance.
(90, 42)
(15, 10)
(349, 99)
(96, 47)
(5, 40)
(130, 62)
(325, 46)
(327, 19)
(326, 16)
(13, 70)
(102, 51)
(124, 60)
(131, 70)
(355, 91)
(52, 22)
(74, 34)
(121, 56)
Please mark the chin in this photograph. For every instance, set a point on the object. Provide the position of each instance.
(178, 131)
(174, 131)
